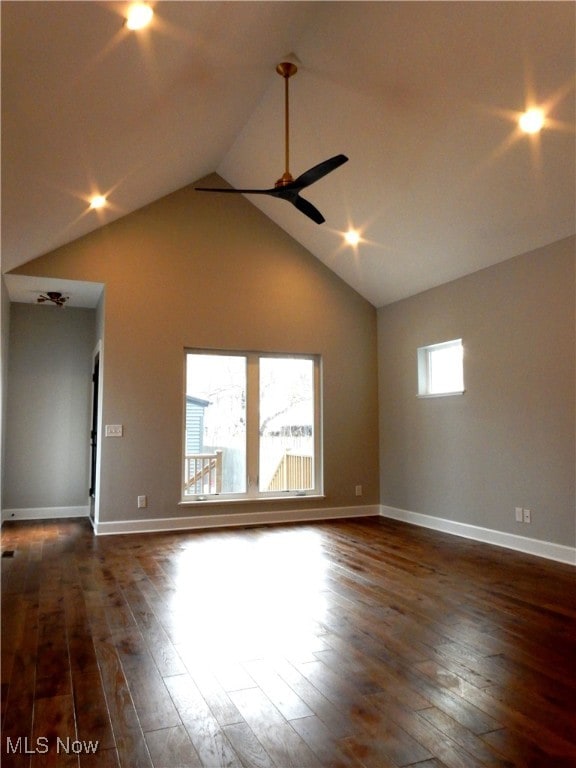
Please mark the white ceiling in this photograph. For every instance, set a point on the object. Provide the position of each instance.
(421, 96)
(26, 290)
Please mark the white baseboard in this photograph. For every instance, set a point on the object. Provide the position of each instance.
(44, 513)
(546, 549)
(233, 519)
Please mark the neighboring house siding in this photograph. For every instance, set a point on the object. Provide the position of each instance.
(195, 424)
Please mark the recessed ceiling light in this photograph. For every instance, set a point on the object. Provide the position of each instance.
(532, 121)
(98, 201)
(352, 237)
(139, 16)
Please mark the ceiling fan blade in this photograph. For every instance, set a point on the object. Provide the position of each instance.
(308, 209)
(318, 171)
(240, 191)
(285, 193)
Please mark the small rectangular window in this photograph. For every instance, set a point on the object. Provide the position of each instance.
(441, 369)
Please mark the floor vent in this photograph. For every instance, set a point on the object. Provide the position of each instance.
(8, 553)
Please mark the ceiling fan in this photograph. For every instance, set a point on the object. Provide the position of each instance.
(288, 188)
(55, 297)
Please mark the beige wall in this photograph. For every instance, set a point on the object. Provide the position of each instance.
(195, 270)
(510, 439)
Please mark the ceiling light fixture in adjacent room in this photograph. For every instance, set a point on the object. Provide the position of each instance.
(139, 16)
(55, 297)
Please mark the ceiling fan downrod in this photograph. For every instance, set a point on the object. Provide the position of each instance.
(286, 70)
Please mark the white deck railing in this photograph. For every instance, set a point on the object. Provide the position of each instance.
(203, 473)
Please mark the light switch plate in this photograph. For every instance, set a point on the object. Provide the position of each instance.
(113, 430)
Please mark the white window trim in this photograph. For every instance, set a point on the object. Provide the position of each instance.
(441, 394)
(252, 492)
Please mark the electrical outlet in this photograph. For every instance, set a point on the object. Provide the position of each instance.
(519, 515)
(527, 515)
(358, 490)
(113, 430)
(142, 502)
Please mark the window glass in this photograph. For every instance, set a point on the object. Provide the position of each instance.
(286, 424)
(215, 432)
(440, 369)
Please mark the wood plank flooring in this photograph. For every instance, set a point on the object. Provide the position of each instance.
(347, 644)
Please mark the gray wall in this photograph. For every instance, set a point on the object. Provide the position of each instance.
(510, 439)
(49, 396)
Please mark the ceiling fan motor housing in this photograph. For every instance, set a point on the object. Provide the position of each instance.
(285, 179)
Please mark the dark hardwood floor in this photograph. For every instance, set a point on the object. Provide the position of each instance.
(349, 644)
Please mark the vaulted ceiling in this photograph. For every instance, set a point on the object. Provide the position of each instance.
(423, 97)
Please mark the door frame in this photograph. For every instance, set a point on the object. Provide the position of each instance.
(95, 433)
